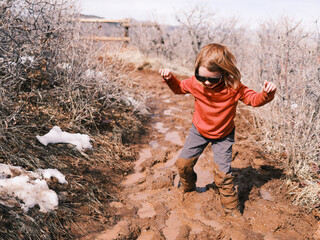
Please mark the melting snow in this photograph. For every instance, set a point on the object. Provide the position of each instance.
(56, 135)
(26, 59)
(48, 173)
(29, 187)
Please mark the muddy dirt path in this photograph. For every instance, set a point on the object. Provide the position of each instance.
(152, 207)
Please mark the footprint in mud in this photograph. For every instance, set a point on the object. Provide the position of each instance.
(143, 156)
(154, 144)
(147, 210)
(173, 224)
(135, 178)
(138, 176)
(170, 111)
(160, 128)
(174, 138)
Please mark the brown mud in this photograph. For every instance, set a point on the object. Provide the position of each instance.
(151, 206)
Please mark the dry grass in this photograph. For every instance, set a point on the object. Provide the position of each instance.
(49, 76)
(289, 126)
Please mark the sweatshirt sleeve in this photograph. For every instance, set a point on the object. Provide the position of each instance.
(179, 87)
(252, 98)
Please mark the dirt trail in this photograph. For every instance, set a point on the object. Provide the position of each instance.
(152, 207)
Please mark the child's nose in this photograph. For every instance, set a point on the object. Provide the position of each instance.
(207, 82)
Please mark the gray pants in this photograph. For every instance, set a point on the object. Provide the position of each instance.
(222, 148)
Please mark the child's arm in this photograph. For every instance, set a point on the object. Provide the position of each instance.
(165, 74)
(269, 89)
(255, 99)
(177, 86)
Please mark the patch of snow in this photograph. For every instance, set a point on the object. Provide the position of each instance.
(26, 59)
(29, 187)
(48, 173)
(56, 135)
(5, 171)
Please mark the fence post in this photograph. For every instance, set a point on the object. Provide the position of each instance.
(125, 23)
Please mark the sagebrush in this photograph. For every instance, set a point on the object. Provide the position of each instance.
(50, 75)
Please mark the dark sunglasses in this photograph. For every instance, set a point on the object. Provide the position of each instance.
(210, 79)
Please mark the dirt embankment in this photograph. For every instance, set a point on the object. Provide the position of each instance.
(151, 206)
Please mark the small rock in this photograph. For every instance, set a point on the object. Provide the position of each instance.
(265, 194)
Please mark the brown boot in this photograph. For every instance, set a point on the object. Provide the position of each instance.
(228, 194)
(188, 177)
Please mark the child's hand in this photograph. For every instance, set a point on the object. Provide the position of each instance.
(269, 87)
(165, 73)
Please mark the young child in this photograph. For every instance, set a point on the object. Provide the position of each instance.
(216, 88)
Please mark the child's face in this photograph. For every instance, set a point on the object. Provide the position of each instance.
(204, 72)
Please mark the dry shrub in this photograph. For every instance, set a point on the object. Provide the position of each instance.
(51, 76)
(180, 44)
(288, 55)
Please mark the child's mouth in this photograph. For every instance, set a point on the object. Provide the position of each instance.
(210, 85)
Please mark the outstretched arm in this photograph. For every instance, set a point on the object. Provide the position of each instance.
(269, 89)
(165, 74)
(177, 86)
(250, 97)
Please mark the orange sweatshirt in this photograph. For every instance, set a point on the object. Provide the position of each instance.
(215, 108)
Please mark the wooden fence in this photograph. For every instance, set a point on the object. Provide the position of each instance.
(125, 23)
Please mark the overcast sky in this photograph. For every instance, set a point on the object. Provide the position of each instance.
(164, 11)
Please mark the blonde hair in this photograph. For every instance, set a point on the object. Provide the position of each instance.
(216, 57)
